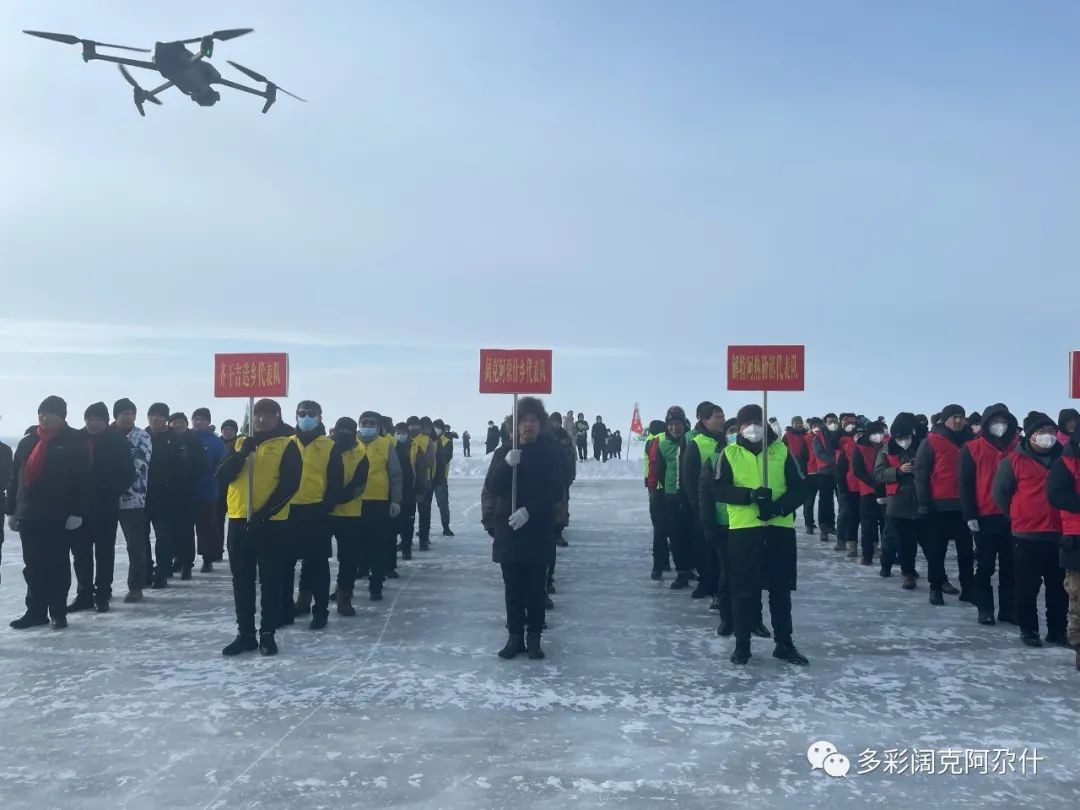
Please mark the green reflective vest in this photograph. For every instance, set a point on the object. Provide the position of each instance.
(672, 453)
(708, 448)
(746, 472)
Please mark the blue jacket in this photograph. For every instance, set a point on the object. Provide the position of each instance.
(213, 452)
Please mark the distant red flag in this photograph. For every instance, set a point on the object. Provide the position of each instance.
(635, 422)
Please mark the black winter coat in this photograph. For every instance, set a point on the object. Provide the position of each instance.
(63, 490)
(542, 481)
(1061, 491)
(492, 438)
(6, 469)
(904, 503)
(112, 471)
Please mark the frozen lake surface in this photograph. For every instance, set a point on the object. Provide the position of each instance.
(406, 704)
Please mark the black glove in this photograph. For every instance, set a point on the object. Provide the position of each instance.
(257, 521)
(766, 511)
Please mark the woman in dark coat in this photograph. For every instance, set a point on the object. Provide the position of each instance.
(523, 534)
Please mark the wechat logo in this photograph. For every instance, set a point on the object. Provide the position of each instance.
(823, 756)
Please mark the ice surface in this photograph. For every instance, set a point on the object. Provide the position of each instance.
(637, 705)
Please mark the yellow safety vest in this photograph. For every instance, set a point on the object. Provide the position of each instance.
(267, 458)
(316, 459)
(746, 472)
(378, 477)
(350, 460)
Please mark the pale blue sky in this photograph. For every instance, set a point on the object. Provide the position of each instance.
(611, 179)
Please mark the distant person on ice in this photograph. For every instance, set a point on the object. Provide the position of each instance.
(581, 436)
(466, 444)
(524, 538)
(492, 441)
(599, 439)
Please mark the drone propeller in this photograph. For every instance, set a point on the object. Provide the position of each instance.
(140, 94)
(68, 39)
(260, 78)
(206, 43)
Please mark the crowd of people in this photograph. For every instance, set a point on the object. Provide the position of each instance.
(606, 444)
(285, 492)
(723, 495)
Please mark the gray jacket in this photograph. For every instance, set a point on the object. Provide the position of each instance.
(904, 503)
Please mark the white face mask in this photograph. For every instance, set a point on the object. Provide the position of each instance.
(998, 429)
(903, 444)
(1044, 440)
(753, 433)
(849, 428)
(832, 426)
(875, 438)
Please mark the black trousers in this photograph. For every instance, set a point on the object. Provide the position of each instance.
(826, 509)
(307, 542)
(678, 529)
(991, 548)
(599, 450)
(46, 566)
(808, 504)
(723, 580)
(661, 555)
(442, 498)
(946, 526)
(525, 587)
(900, 542)
(706, 561)
(762, 559)
(466, 450)
(183, 536)
(582, 450)
(848, 528)
(95, 541)
(371, 561)
(347, 532)
(871, 521)
(159, 557)
(423, 510)
(405, 526)
(1036, 564)
(257, 552)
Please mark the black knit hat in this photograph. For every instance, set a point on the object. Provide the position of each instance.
(439, 424)
(400, 426)
(178, 416)
(99, 410)
(831, 415)
(1036, 420)
(1068, 415)
(425, 421)
(747, 414)
(54, 405)
(949, 411)
(413, 420)
(903, 425)
(346, 424)
(203, 412)
(230, 423)
(874, 427)
(267, 406)
(656, 427)
(974, 418)
(675, 414)
(121, 405)
(158, 409)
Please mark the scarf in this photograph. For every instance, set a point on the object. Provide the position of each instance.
(35, 464)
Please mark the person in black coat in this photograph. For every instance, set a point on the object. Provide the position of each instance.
(47, 499)
(492, 441)
(112, 471)
(188, 468)
(523, 532)
(5, 476)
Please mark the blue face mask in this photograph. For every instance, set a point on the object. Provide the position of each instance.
(307, 423)
(732, 438)
(368, 432)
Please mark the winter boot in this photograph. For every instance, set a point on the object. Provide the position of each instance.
(1057, 638)
(101, 604)
(787, 652)
(532, 646)
(824, 535)
(741, 655)
(207, 567)
(344, 603)
(267, 645)
(866, 561)
(132, 597)
(406, 553)
(966, 597)
(59, 622)
(700, 592)
(986, 617)
(949, 588)
(82, 601)
(446, 532)
(909, 582)
(840, 546)
(185, 572)
(715, 603)
(302, 607)
(515, 645)
(241, 644)
(1030, 638)
(28, 620)
(726, 628)
(682, 581)
(852, 549)
(425, 545)
(656, 574)
(936, 597)
(761, 631)
(318, 621)
(375, 591)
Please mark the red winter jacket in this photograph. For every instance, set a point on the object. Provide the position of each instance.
(1020, 492)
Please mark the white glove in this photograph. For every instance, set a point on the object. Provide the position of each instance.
(520, 517)
(973, 525)
(13, 523)
(882, 501)
(395, 510)
(513, 457)
(72, 523)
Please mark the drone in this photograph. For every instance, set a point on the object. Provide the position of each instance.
(189, 72)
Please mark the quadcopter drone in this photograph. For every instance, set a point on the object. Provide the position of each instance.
(189, 72)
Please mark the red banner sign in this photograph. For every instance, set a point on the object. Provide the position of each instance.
(251, 375)
(766, 368)
(515, 371)
(1074, 375)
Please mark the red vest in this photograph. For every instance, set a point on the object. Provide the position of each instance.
(1030, 510)
(1070, 521)
(944, 482)
(869, 454)
(812, 464)
(894, 461)
(847, 447)
(987, 459)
